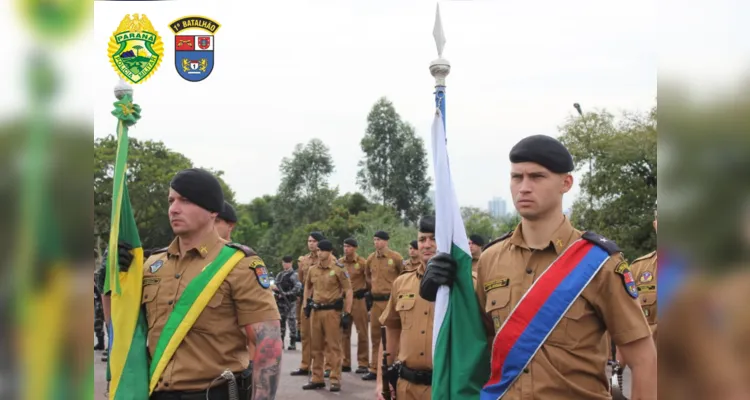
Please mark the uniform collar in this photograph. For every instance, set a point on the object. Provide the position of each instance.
(561, 238)
(208, 242)
(327, 264)
(352, 259)
(421, 269)
(383, 253)
(414, 260)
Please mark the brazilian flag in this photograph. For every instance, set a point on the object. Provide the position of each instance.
(128, 362)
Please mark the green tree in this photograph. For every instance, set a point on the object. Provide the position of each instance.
(394, 170)
(137, 50)
(151, 166)
(478, 222)
(618, 191)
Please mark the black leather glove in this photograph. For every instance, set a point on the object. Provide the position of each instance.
(368, 300)
(308, 308)
(346, 320)
(441, 270)
(124, 256)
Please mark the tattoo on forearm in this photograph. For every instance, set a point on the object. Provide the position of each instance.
(267, 362)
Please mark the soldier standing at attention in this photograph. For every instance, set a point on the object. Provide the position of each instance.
(408, 321)
(414, 261)
(303, 264)
(289, 287)
(325, 283)
(355, 266)
(175, 277)
(556, 327)
(382, 268)
(225, 222)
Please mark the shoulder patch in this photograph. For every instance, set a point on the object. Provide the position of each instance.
(261, 273)
(623, 269)
(248, 251)
(498, 240)
(601, 241)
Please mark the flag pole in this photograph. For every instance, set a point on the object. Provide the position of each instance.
(440, 67)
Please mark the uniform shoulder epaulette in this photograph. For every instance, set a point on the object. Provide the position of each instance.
(646, 257)
(498, 240)
(609, 246)
(159, 251)
(248, 251)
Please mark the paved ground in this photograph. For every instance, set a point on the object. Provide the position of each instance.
(352, 387)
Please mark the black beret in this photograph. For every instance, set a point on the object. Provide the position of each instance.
(545, 151)
(200, 187)
(317, 236)
(427, 225)
(477, 240)
(414, 245)
(287, 259)
(351, 242)
(325, 245)
(228, 214)
(382, 235)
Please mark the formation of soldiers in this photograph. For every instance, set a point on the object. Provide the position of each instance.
(244, 324)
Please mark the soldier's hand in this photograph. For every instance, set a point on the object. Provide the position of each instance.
(124, 256)
(368, 301)
(441, 270)
(346, 320)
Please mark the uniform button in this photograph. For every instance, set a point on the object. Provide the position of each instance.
(425, 313)
(166, 384)
(525, 370)
(161, 379)
(528, 270)
(423, 332)
(421, 354)
(493, 302)
(177, 276)
(170, 302)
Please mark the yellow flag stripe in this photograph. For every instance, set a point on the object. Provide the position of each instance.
(192, 315)
(126, 314)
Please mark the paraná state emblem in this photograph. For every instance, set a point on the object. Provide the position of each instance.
(194, 47)
(135, 48)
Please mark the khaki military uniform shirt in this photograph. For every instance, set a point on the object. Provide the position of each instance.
(356, 269)
(571, 363)
(644, 272)
(327, 281)
(216, 341)
(413, 315)
(383, 269)
(474, 265)
(411, 265)
(303, 265)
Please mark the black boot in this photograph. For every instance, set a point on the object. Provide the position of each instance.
(99, 343)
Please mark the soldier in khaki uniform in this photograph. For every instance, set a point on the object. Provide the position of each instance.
(217, 341)
(355, 266)
(414, 261)
(476, 243)
(408, 319)
(303, 265)
(570, 360)
(325, 283)
(382, 268)
(225, 222)
(644, 272)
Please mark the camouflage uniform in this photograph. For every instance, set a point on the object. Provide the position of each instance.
(289, 288)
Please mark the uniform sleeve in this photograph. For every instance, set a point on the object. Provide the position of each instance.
(620, 311)
(390, 317)
(399, 262)
(368, 271)
(254, 302)
(307, 292)
(343, 276)
(481, 297)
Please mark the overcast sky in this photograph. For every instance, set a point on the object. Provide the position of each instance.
(289, 71)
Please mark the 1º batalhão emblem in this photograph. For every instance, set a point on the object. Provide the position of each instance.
(194, 47)
(135, 48)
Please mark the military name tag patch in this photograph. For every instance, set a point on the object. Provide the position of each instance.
(151, 280)
(646, 277)
(497, 283)
(155, 266)
(623, 269)
(646, 288)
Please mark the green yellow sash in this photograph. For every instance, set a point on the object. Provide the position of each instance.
(191, 303)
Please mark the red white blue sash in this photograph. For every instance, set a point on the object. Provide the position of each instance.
(540, 310)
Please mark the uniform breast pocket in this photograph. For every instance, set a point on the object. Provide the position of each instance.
(211, 315)
(648, 305)
(497, 306)
(148, 300)
(570, 330)
(405, 309)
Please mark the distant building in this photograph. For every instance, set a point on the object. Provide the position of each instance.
(497, 207)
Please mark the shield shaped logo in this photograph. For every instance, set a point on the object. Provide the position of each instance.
(194, 51)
